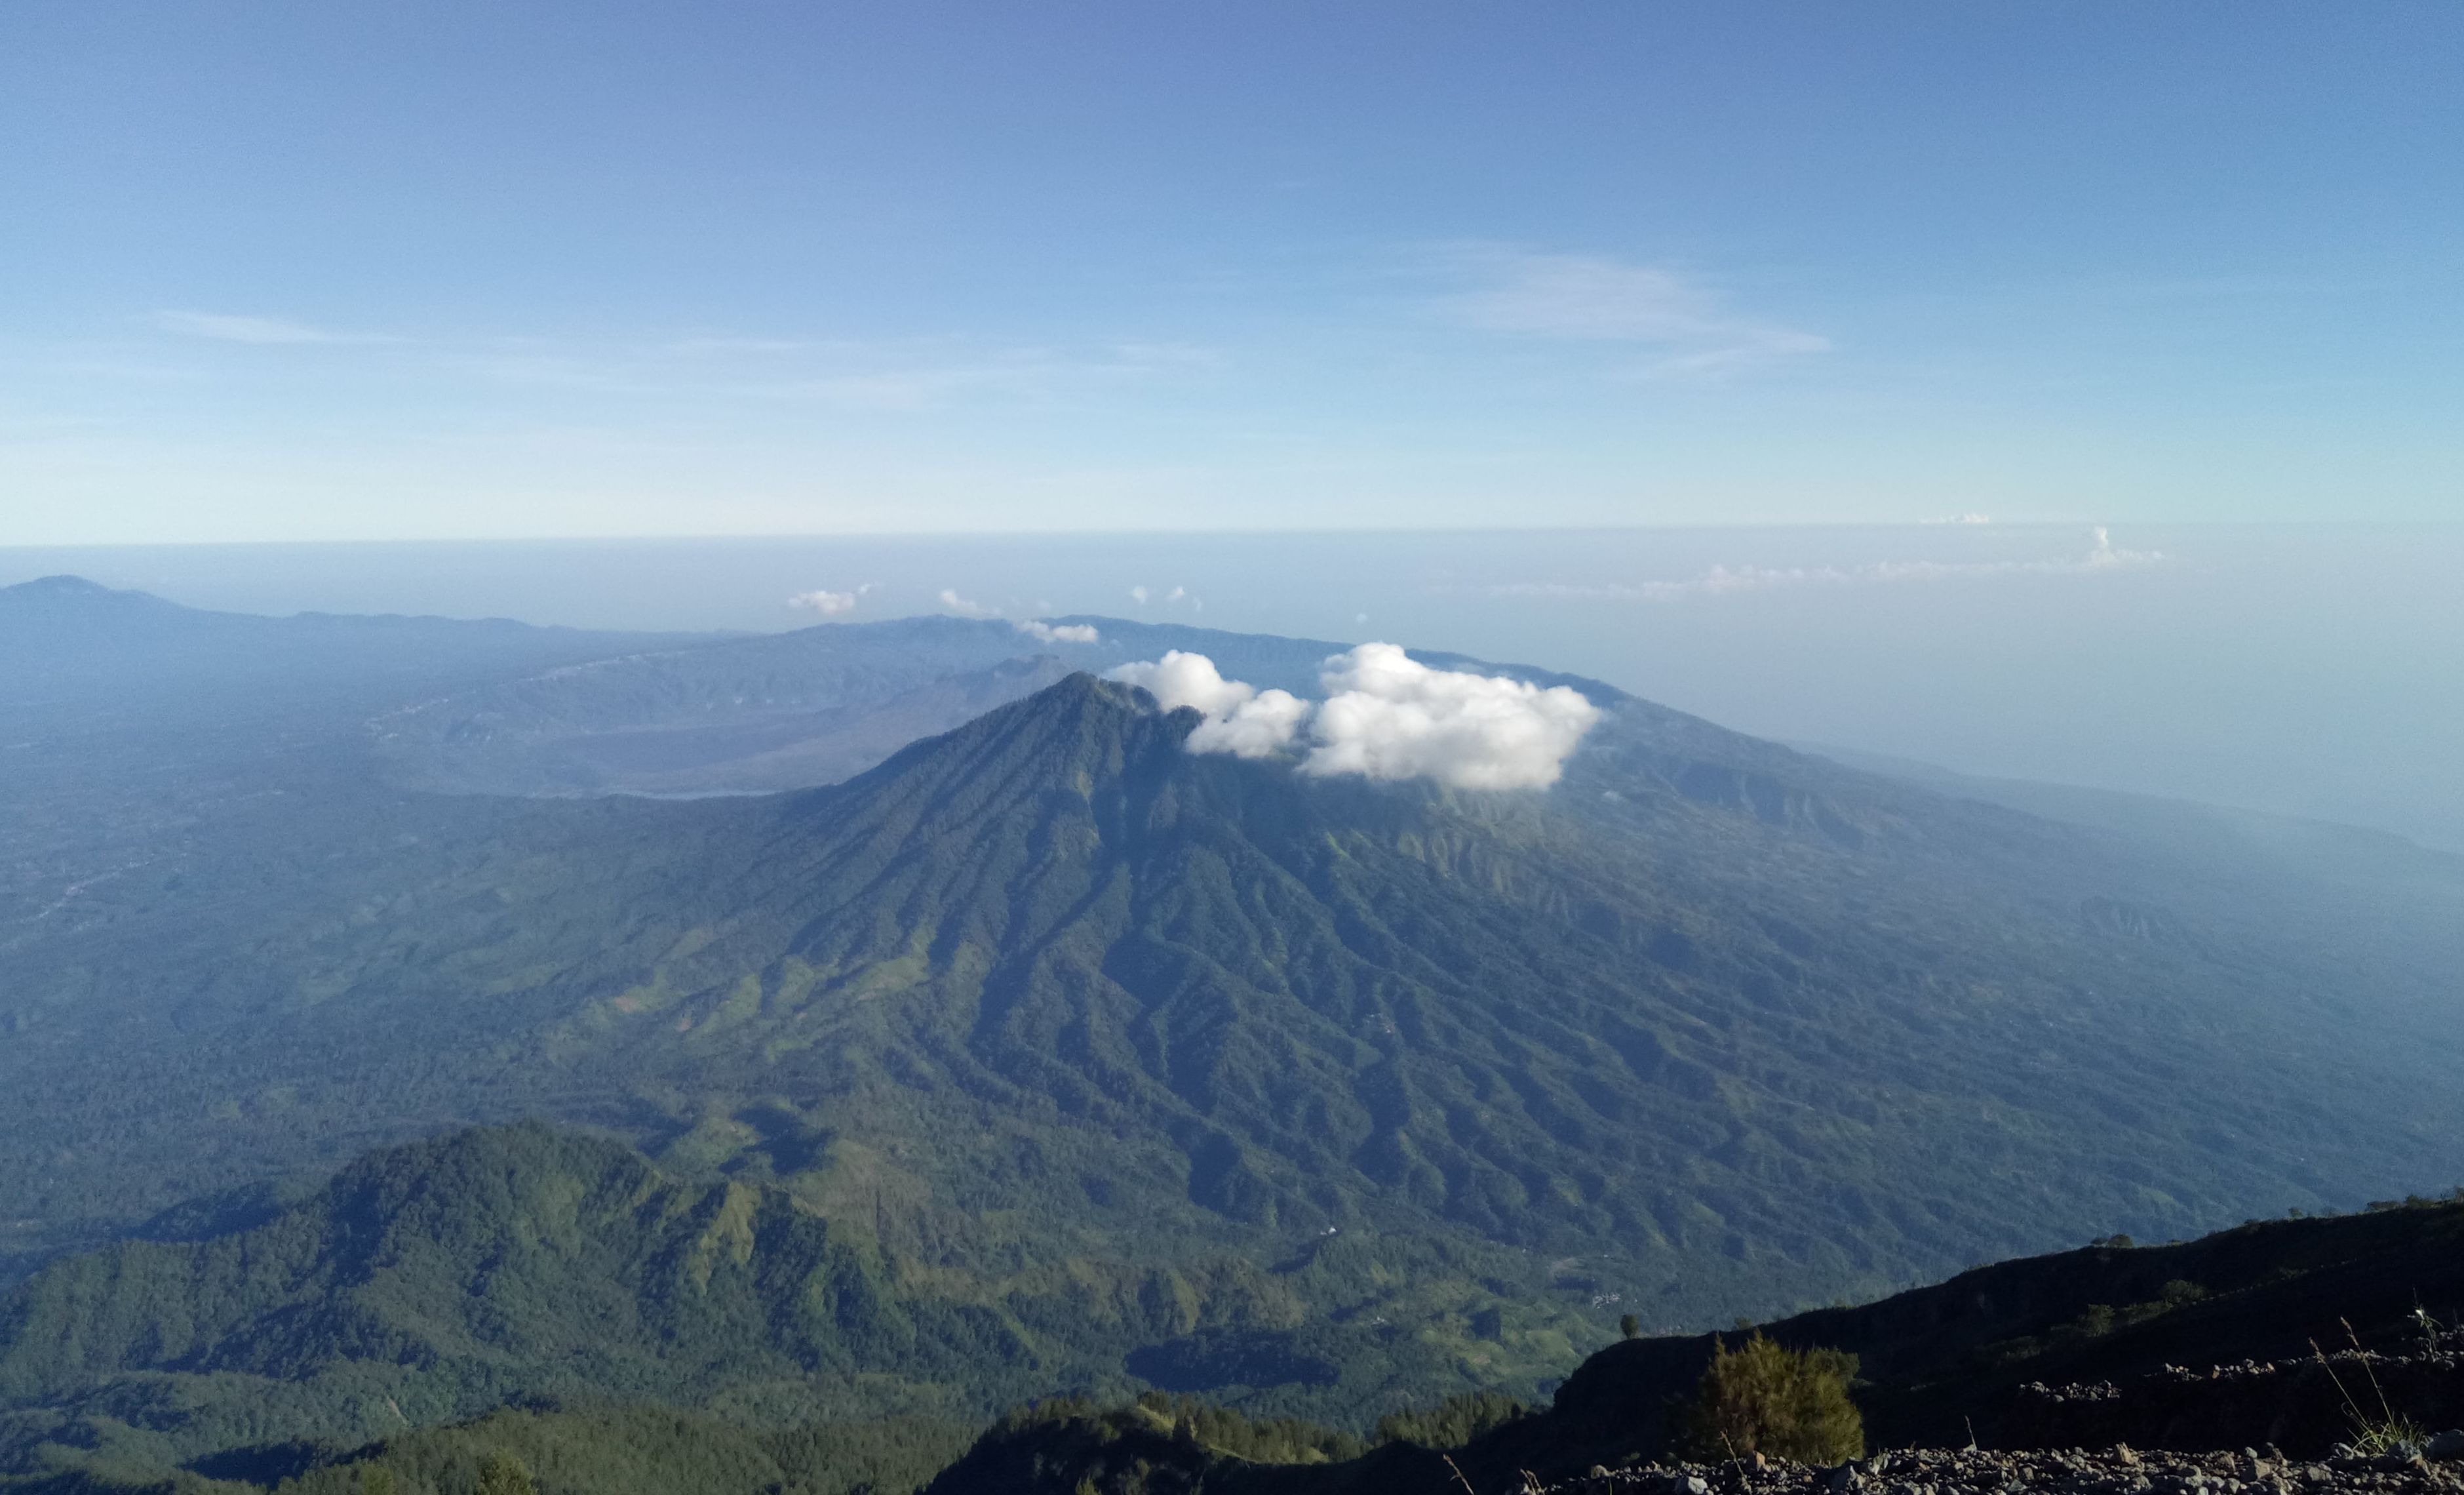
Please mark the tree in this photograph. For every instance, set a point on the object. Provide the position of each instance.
(504, 1474)
(1765, 1398)
(1630, 1327)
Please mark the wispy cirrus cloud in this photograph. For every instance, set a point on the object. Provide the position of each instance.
(261, 331)
(1686, 325)
(889, 376)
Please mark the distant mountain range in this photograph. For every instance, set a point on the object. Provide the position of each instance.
(1316, 1094)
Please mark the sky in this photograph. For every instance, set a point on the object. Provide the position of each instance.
(291, 271)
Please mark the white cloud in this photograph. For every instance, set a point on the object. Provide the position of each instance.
(1182, 679)
(965, 607)
(1959, 519)
(264, 331)
(1059, 633)
(1387, 716)
(1595, 298)
(1259, 728)
(1241, 719)
(2103, 556)
(1138, 595)
(2109, 556)
(829, 604)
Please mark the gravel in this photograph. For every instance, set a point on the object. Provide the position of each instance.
(2119, 1470)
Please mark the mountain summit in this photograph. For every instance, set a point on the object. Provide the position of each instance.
(1707, 1009)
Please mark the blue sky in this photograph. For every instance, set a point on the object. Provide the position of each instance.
(337, 271)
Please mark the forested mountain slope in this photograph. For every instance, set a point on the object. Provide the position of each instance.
(1630, 1015)
(1708, 1009)
(440, 1280)
(1413, 1088)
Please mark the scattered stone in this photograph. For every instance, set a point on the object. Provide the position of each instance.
(2074, 1471)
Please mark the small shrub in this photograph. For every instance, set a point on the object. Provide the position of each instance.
(1783, 1403)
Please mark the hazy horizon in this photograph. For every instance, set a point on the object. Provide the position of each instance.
(2293, 669)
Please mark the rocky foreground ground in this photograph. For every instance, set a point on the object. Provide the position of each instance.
(1970, 1471)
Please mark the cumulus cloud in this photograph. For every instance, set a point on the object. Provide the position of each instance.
(1180, 678)
(830, 604)
(1259, 728)
(1241, 719)
(2103, 556)
(1059, 633)
(1177, 596)
(965, 607)
(1386, 717)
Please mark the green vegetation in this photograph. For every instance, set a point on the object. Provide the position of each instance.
(504, 1474)
(1049, 1056)
(2098, 1320)
(1452, 1422)
(432, 1282)
(1157, 1444)
(1763, 1398)
(2378, 1428)
(641, 1450)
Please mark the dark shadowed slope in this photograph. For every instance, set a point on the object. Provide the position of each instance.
(2131, 1339)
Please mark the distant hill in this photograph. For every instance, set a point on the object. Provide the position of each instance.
(69, 642)
(436, 1281)
(793, 710)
